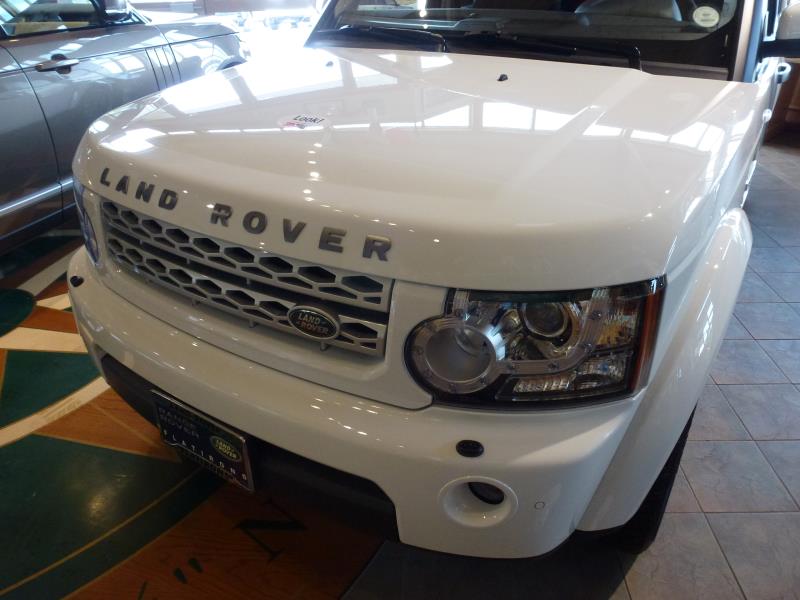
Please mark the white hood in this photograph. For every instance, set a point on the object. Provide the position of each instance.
(563, 176)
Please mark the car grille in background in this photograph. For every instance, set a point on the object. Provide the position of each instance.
(257, 286)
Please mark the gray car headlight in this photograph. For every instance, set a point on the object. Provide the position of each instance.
(495, 349)
(87, 229)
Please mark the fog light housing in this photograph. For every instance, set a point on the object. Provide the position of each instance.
(496, 349)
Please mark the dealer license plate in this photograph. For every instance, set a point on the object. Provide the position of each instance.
(206, 441)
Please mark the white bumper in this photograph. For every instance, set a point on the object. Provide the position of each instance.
(548, 463)
(562, 469)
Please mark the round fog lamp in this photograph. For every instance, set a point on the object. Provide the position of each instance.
(486, 492)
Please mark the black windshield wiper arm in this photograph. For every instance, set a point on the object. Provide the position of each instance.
(556, 46)
(397, 34)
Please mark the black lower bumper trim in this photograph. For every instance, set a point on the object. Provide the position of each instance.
(354, 500)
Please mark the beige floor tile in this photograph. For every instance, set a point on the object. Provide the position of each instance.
(769, 320)
(733, 477)
(683, 562)
(736, 330)
(794, 251)
(715, 420)
(786, 354)
(773, 260)
(770, 412)
(784, 456)
(761, 239)
(787, 285)
(681, 499)
(764, 552)
(744, 361)
(755, 289)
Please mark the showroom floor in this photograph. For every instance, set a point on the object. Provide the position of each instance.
(92, 504)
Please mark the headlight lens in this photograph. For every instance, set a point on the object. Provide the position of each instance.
(495, 349)
(89, 235)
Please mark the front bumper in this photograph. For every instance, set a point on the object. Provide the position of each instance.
(353, 499)
(549, 464)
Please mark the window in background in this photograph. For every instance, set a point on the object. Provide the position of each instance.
(266, 26)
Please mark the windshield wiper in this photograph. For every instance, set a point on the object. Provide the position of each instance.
(543, 45)
(547, 45)
(391, 34)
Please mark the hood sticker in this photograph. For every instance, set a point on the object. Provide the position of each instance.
(302, 122)
(706, 16)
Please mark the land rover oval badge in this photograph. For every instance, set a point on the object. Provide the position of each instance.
(314, 322)
(225, 448)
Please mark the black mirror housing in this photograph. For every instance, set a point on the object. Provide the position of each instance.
(787, 38)
(783, 48)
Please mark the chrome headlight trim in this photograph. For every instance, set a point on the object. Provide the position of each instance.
(87, 228)
(602, 352)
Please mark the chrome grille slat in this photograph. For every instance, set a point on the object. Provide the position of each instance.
(337, 285)
(213, 272)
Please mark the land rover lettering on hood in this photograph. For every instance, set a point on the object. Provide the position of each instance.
(470, 262)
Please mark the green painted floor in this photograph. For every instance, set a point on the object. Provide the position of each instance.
(69, 510)
(15, 305)
(35, 380)
(74, 510)
(92, 503)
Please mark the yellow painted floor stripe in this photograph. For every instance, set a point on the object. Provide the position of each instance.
(28, 425)
(138, 434)
(65, 438)
(48, 275)
(59, 302)
(3, 355)
(42, 340)
(97, 540)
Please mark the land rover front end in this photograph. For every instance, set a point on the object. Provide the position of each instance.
(475, 277)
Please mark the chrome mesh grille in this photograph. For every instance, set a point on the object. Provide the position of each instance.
(257, 286)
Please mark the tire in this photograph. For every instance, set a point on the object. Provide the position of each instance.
(637, 534)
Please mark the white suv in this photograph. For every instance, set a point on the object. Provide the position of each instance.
(464, 265)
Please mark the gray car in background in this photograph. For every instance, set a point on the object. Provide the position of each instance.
(62, 65)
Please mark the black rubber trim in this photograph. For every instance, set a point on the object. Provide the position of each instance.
(352, 499)
(638, 533)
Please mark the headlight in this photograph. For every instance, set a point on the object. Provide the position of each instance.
(89, 236)
(523, 349)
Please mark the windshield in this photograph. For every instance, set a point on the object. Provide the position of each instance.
(678, 32)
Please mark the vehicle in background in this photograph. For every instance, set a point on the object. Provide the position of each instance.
(291, 9)
(275, 19)
(273, 14)
(64, 64)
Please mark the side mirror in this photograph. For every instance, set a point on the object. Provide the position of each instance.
(114, 10)
(787, 39)
(789, 24)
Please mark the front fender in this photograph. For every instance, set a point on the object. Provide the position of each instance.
(689, 342)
